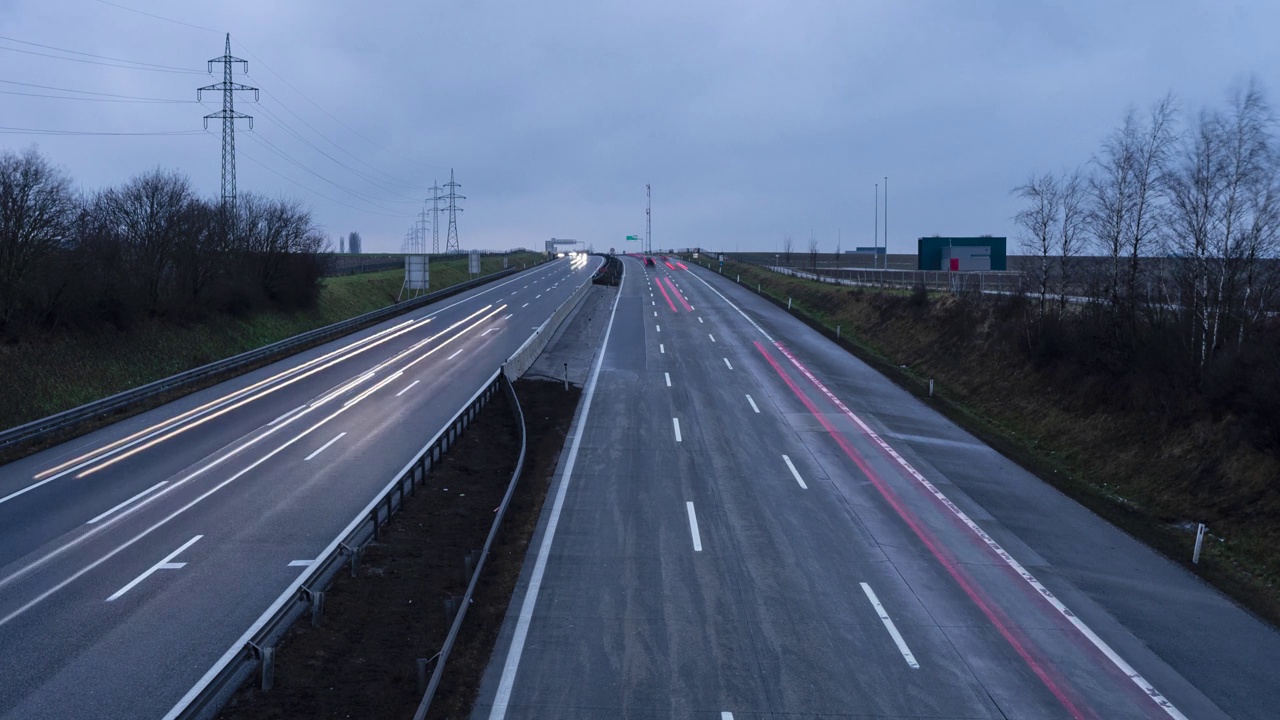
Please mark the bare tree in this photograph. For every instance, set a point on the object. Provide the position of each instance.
(1223, 194)
(1151, 146)
(353, 243)
(1040, 221)
(813, 252)
(37, 211)
(786, 249)
(1073, 221)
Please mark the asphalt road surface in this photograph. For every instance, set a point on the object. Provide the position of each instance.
(132, 558)
(749, 523)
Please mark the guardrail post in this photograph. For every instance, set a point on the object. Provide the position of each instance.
(317, 606)
(450, 609)
(423, 675)
(374, 515)
(267, 656)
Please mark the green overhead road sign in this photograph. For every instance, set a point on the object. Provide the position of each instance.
(633, 238)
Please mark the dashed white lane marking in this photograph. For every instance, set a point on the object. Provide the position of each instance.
(288, 414)
(753, 404)
(486, 332)
(893, 630)
(659, 327)
(508, 316)
(326, 446)
(713, 337)
(655, 313)
(794, 473)
(699, 318)
(728, 364)
(693, 527)
(525, 305)
(675, 422)
(455, 353)
(164, 564)
(139, 496)
(410, 385)
(301, 563)
(668, 377)
(662, 348)
(726, 715)
(535, 297)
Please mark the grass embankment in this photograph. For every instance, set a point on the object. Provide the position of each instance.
(55, 372)
(1152, 474)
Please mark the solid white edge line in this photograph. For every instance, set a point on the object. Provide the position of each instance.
(675, 422)
(503, 694)
(290, 593)
(1143, 684)
(794, 473)
(301, 563)
(273, 422)
(888, 624)
(407, 388)
(326, 445)
(164, 564)
(693, 527)
(455, 353)
(753, 404)
(140, 495)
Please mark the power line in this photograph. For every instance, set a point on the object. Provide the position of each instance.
(355, 132)
(271, 170)
(158, 17)
(107, 100)
(100, 57)
(273, 148)
(326, 138)
(87, 92)
(45, 131)
(105, 64)
(276, 119)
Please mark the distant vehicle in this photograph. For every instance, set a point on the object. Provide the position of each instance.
(648, 260)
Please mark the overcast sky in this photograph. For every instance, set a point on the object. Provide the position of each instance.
(751, 120)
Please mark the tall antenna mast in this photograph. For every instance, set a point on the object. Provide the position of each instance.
(451, 240)
(648, 225)
(228, 115)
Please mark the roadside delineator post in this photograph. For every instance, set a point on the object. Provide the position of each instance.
(837, 332)
(788, 303)
(930, 387)
(1195, 556)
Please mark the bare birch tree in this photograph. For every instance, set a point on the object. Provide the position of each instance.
(1039, 222)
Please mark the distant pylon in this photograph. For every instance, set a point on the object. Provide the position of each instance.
(228, 115)
(422, 225)
(435, 217)
(451, 240)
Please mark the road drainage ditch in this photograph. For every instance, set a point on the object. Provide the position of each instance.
(364, 658)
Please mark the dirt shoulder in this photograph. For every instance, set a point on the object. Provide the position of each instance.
(362, 661)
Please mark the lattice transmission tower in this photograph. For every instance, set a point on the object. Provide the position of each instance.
(435, 216)
(451, 240)
(228, 115)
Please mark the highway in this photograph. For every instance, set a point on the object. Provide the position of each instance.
(748, 522)
(132, 558)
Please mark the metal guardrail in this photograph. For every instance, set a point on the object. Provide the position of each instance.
(443, 656)
(44, 427)
(256, 647)
(522, 359)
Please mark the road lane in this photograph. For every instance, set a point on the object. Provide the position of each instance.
(258, 510)
(787, 607)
